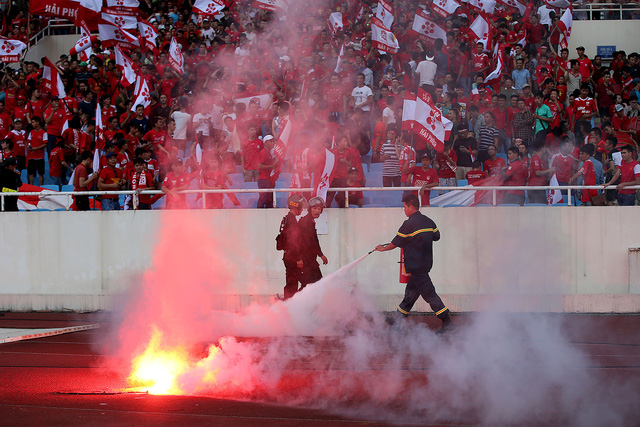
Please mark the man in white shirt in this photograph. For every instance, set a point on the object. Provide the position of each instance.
(426, 73)
(362, 95)
(182, 120)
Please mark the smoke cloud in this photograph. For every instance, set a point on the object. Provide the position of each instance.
(328, 348)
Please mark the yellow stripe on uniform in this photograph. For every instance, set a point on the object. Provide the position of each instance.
(402, 311)
(441, 311)
(422, 230)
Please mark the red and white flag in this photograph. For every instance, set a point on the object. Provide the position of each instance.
(148, 34)
(335, 23)
(99, 138)
(486, 6)
(176, 60)
(384, 13)
(565, 24)
(11, 50)
(271, 5)
(445, 8)
(48, 199)
(67, 9)
(494, 77)
(142, 96)
(429, 123)
(560, 4)
(425, 27)
(480, 29)
(322, 178)
(112, 35)
(408, 111)
(262, 99)
(125, 64)
(554, 196)
(51, 79)
(359, 12)
(383, 39)
(121, 19)
(84, 42)
(208, 7)
(280, 149)
(516, 4)
(125, 5)
(339, 62)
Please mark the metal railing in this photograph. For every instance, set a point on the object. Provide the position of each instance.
(53, 25)
(606, 11)
(493, 189)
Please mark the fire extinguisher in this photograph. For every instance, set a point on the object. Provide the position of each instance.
(404, 276)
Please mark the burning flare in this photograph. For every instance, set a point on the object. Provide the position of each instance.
(157, 369)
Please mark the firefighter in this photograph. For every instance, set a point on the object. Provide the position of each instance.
(310, 246)
(416, 237)
(289, 241)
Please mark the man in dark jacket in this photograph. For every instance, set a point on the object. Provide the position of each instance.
(10, 182)
(416, 237)
(290, 241)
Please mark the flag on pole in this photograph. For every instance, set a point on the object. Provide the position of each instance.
(554, 196)
(429, 123)
(493, 78)
(409, 111)
(142, 96)
(565, 24)
(121, 19)
(560, 4)
(384, 13)
(516, 4)
(339, 62)
(280, 149)
(112, 35)
(99, 138)
(176, 60)
(52, 81)
(125, 64)
(486, 6)
(481, 30)
(148, 34)
(425, 27)
(335, 23)
(11, 50)
(445, 8)
(322, 178)
(208, 7)
(383, 39)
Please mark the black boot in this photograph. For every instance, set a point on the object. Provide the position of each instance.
(447, 326)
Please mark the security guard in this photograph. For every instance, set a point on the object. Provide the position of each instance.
(310, 246)
(416, 237)
(289, 240)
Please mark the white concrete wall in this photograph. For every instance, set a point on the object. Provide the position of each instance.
(550, 259)
(624, 35)
(53, 47)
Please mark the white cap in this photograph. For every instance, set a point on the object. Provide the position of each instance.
(267, 138)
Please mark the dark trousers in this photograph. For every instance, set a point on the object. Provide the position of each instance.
(293, 276)
(310, 273)
(265, 200)
(82, 202)
(537, 196)
(420, 285)
(626, 199)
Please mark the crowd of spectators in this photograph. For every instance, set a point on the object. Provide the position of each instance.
(548, 109)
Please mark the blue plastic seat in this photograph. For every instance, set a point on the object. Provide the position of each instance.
(502, 156)
(535, 204)
(67, 187)
(508, 204)
(462, 182)
(484, 205)
(250, 185)
(454, 205)
(236, 180)
(39, 210)
(51, 187)
(376, 167)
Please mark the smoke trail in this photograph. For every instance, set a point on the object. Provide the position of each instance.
(328, 348)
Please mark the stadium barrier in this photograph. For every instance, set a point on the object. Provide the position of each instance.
(572, 190)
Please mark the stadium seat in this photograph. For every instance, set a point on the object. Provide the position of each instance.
(376, 167)
(535, 204)
(250, 185)
(23, 176)
(40, 210)
(502, 156)
(484, 205)
(67, 187)
(463, 182)
(454, 205)
(509, 204)
(236, 180)
(60, 210)
(51, 187)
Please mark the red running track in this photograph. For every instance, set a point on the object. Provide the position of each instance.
(62, 380)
